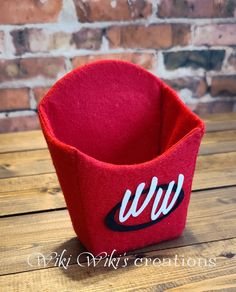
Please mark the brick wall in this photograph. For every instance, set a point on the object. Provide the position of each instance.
(190, 44)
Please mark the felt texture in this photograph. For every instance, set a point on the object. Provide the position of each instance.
(109, 126)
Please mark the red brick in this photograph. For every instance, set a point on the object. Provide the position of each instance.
(32, 67)
(232, 60)
(39, 40)
(197, 9)
(213, 107)
(103, 10)
(152, 36)
(42, 41)
(143, 59)
(181, 34)
(28, 11)
(12, 99)
(137, 36)
(196, 84)
(1, 42)
(39, 92)
(20, 40)
(207, 59)
(88, 38)
(215, 34)
(22, 123)
(223, 85)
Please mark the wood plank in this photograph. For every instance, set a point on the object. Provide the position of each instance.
(39, 162)
(42, 192)
(227, 116)
(215, 170)
(211, 217)
(29, 194)
(32, 140)
(26, 201)
(19, 141)
(220, 122)
(219, 283)
(21, 183)
(25, 163)
(212, 269)
(218, 142)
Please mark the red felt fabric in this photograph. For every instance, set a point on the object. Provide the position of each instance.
(111, 125)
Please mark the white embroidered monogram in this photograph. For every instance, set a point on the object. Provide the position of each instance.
(153, 190)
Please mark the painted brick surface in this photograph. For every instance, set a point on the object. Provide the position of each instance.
(189, 44)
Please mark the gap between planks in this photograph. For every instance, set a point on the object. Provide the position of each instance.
(172, 277)
(211, 217)
(22, 141)
(16, 193)
(222, 229)
(32, 140)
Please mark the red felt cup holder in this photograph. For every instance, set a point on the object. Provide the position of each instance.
(124, 147)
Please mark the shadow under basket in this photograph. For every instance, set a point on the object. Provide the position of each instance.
(124, 147)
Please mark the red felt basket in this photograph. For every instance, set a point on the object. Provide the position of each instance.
(124, 147)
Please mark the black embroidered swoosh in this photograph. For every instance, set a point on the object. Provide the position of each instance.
(112, 224)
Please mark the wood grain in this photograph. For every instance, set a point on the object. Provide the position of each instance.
(42, 191)
(25, 163)
(211, 217)
(19, 141)
(39, 162)
(32, 140)
(220, 283)
(15, 184)
(220, 122)
(29, 162)
(218, 142)
(33, 200)
(215, 170)
(153, 276)
(28, 184)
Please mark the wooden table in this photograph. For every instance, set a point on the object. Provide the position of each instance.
(35, 220)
